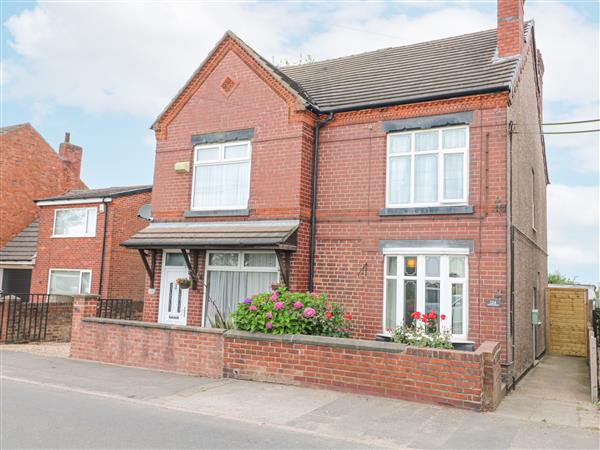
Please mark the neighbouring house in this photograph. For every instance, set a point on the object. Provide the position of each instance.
(29, 169)
(402, 179)
(78, 243)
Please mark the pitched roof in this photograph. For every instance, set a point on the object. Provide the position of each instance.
(10, 128)
(206, 235)
(443, 68)
(116, 191)
(21, 248)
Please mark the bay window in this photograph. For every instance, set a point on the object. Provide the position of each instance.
(75, 222)
(69, 282)
(424, 283)
(427, 168)
(221, 178)
(232, 276)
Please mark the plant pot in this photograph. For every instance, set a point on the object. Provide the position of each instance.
(383, 338)
(184, 283)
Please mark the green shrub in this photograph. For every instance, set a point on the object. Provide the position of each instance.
(284, 312)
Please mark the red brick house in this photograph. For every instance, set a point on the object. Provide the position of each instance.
(408, 178)
(29, 169)
(78, 243)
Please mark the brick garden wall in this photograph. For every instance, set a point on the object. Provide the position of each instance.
(468, 380)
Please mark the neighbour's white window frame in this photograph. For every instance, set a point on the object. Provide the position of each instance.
(445, 284)
(220, 161)
(441, 152)
(238, 268)
(92, 228)
(81, 272)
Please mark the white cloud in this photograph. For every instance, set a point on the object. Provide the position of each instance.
(573, 226)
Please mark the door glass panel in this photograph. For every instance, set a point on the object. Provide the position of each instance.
(223, 259)
(171, 286)
(432, 266)
(390, 306)
(174, 259)
(179, 300)
(410, 299)
(457, 308)
(457, 266)
(432, 297)
(259, 260)
(410, 266)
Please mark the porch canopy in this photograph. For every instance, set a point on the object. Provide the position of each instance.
(190, 237)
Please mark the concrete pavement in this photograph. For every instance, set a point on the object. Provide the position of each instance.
(331, 418)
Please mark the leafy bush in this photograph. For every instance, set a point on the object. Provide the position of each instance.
(423, 332)
(284, 312)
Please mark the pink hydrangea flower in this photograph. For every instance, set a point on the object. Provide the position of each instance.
(269, 325)
(297, 305)
(252, 308)
(309, 312)
(328, 307)
(274, 297)
(269, 315)
(314, 294)
(278, 306)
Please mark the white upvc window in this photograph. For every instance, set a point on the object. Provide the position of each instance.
(428, 168)
(221, 178)
(69, 281)
(424, 283)
(232, 276)
(75, 222)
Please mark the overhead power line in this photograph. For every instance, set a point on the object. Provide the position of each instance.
(570, 132)
(571, 123)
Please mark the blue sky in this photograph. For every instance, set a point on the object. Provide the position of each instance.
(104, 70)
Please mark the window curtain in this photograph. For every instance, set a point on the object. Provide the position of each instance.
(64, 282)
(70, 221)
(426, 178)
(221, 185)
(453, 176)
(227, 289)
(399, 180)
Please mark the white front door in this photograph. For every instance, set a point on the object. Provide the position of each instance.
(173, 299)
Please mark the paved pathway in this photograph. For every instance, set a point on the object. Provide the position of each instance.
(332, 418)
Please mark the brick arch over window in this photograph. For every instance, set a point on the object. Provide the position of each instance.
(296, 102)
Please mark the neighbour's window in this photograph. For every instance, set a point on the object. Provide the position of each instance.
(427, 283)
(233, 276)
(221, 176)
(428, 168)
(75, 222)
(69, 282)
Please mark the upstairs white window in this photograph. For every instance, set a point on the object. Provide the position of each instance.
(428, 168)
(221, 176)
(75, 222)
(69, 282)
(427, 283)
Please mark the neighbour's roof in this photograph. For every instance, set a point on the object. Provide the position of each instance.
(278, 234)
(116, 191)
(10, 128)
(442, 68)
(21, 248)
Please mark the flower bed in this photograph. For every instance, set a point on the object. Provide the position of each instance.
(284, 312)
(423, 332)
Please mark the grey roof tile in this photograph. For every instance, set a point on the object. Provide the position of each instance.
(115, 191)
(23, 247)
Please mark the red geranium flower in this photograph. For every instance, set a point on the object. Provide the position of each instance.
(443, 316)
(424, 319)
(416, 315)
(431, 315)
(348, 316)
(329, 315)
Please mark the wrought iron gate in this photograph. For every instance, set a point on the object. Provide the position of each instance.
(23, 317)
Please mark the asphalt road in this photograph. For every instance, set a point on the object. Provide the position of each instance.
(38, 416)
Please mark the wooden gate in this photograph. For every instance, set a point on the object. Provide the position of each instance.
(567, 321)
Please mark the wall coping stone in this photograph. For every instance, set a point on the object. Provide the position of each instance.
(159, 326)
(354, 344)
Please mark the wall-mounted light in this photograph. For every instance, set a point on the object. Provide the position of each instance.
(182, 167)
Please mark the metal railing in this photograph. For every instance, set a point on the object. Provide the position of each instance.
(114, 308)
(23, 317)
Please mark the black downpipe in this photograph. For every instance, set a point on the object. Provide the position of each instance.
(313, 202)
(512, 251)
(103, 249)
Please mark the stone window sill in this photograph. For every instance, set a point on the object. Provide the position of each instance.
(427, 210)
(218, 213)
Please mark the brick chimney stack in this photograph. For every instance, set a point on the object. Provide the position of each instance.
(71, 155)
(510, 27)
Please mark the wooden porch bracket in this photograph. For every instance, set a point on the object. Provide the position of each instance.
(150, 267)
(283, 258)
(192, 266)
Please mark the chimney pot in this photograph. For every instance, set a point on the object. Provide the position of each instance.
(67, 137)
